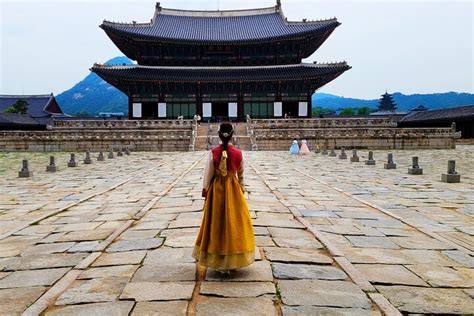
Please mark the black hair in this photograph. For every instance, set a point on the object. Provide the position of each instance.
(226, 131)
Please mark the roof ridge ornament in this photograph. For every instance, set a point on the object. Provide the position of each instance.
(278, 4)
(158, 6)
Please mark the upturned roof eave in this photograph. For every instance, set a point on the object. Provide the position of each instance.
(117, 72)
(300, 35)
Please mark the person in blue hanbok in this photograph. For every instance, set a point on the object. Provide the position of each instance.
(295, 149)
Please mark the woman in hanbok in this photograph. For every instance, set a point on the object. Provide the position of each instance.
(225, 241)
(294, 149)
(304, 150)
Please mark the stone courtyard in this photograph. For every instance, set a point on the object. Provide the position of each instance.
(333, 237)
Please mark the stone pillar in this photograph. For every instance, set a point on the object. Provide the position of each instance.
(354, 157)
(451, 176)
(370, 161)
(25, 172)
(390, 164)
(318, 149)
(325, 151)
(52, 165)
(343, 154)
(415, 168)
(111, 154)
(72, 162)
(88, 160)
(101, 156)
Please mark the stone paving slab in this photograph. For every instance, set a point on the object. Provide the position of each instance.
(115, 308)
(93, 291)
(307, 271)
(322, 293)
(375, 218)
(237, 306)
(158, 291)
(428, 300)
(15, 300)
(237, 289)
(290, 255)
(326, 311)
(160, 308)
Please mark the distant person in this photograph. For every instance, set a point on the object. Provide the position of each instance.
(225, 241)
(304, 150)
(294, 149)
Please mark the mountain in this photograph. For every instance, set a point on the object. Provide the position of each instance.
(404, 102)
(93, 95)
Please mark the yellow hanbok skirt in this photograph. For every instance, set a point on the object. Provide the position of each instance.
(225, 240)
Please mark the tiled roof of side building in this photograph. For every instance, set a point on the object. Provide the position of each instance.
(220, 26)
(38, 105)
(212, 74)
(466, 112)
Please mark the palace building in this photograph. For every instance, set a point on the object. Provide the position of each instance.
(220, 64)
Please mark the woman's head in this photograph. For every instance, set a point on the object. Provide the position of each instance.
(226, 131)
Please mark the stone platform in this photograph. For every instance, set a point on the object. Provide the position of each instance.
(115, 237)
(262, 135)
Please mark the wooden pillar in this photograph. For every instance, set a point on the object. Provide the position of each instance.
(199, 101)
(130, 108)
(310, 104)
(240, 105)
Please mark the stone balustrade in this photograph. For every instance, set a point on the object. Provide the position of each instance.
(94, 140)
(372, 138)
(322, 123)
(97, 124)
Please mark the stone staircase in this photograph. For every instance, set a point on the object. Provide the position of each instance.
(207, 137)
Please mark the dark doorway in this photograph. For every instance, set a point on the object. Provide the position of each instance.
(149, 110)
(220, 111)
(291, 109)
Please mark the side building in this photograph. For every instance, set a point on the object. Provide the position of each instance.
(220, 64)
(39, 112)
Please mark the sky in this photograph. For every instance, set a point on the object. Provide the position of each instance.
(407, 46)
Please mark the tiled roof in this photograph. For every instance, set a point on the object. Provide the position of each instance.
(17, 119)
(220, 26)
(441, 115)
(37, 104)
(211, 74)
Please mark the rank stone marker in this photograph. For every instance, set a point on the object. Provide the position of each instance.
(88, 160)
(72, 162)
(52, 165)
(332, 153)
(25, 172)
(415, 168)
(127, 152)
(390, 164)
(343, 154)
(370, 161)
(111, 154)
(452, 176)
(120, 153)
(101, 156)
(325, 151)
(354, 157)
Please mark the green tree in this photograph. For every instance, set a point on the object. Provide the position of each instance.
(347, 112)
(19, 107)
(365, 110)
(318, 111)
